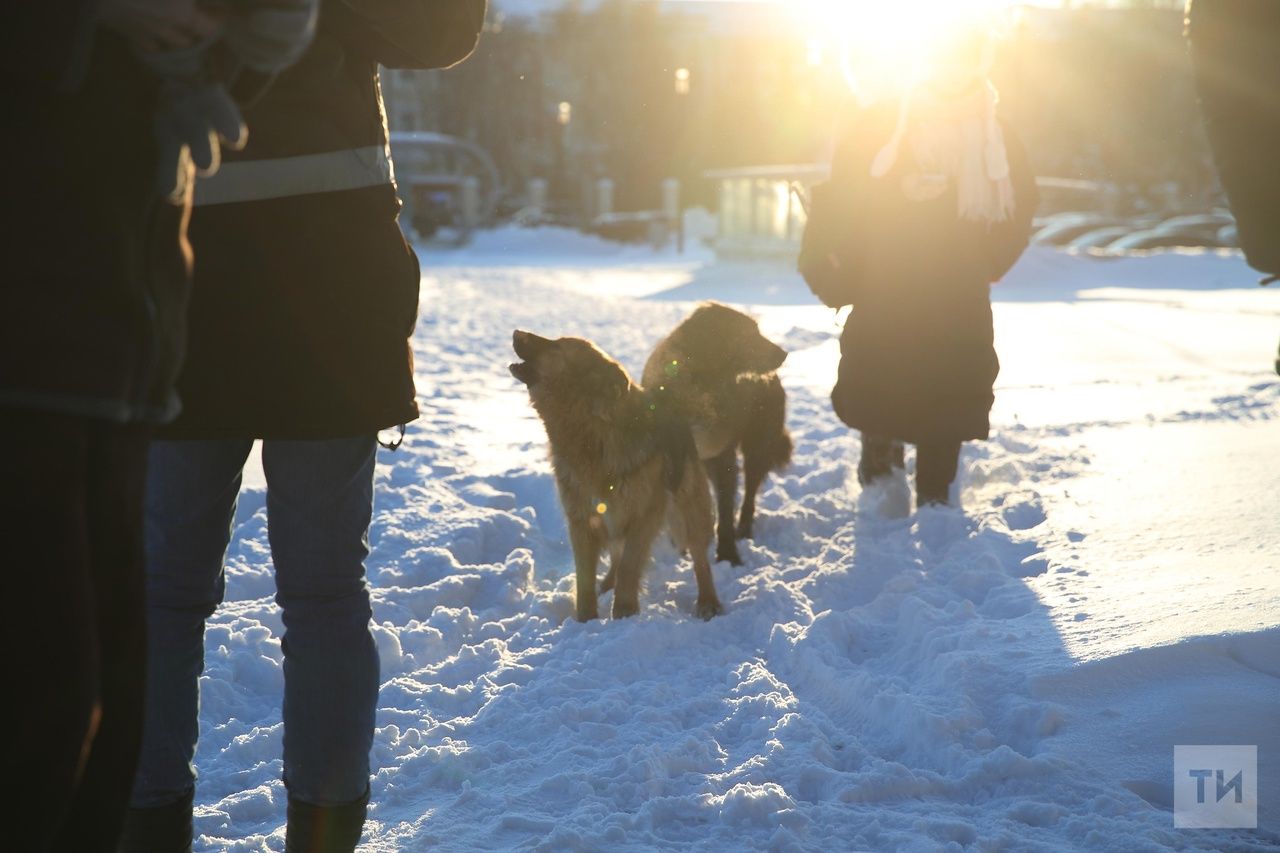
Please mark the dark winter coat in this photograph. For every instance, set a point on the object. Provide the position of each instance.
(93, 296)
(917, 356)
(305, 291)
(1235, 49)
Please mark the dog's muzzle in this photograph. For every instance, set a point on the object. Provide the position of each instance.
(780, 355)
(528, 346)
(523, 371)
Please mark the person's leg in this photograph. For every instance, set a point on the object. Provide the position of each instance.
(324, 829)
(50, 630)
(192, 487)
(880, 456)
(116, 469)
(319, 506)
(936, 464)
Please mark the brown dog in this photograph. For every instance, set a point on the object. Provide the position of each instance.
(624, 470)
(719, 372)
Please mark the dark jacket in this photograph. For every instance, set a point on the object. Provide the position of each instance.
(305, 292)
(93, 297)
(1234, 45)
(917, 357)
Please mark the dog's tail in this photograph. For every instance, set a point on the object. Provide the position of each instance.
(766, 443)
(771, 452)
(780, 451)
(674, 438)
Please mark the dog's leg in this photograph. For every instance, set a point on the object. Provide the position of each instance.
(723, 470)
(766, 446)
(690, 523)
(585, 540)
(635, 556)
(611, 576)
(755, 466)
(708, 602)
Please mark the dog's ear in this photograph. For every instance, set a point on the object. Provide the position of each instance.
(774, 355)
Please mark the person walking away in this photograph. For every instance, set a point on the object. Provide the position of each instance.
(302, 308)
(111, 107)
(929, 203)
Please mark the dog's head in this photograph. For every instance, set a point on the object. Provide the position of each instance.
(572, 369)
(724, 340)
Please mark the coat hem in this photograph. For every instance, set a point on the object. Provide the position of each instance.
(114, 411)
(916, 436)
(288, 432)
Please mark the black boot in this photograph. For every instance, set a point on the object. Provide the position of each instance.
(324, 829)
(881, 456)
(162, 829)
(936, 464)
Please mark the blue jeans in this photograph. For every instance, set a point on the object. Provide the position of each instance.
(319, 505)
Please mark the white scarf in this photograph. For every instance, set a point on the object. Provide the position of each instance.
(960, 138)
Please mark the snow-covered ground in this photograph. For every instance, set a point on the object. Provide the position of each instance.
(1012, 675)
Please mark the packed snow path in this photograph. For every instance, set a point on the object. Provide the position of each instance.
(1012, 675)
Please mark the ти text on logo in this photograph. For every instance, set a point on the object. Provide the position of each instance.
(1215, 787)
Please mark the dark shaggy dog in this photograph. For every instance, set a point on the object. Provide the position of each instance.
(719, 372)
(624, 470)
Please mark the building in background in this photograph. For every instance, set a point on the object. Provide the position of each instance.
(657, 89)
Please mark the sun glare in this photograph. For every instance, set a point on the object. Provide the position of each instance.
(884, 47)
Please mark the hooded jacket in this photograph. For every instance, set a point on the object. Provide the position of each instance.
(306, 293)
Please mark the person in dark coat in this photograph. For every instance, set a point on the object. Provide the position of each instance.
(91, 322)
(1237, 68)
(303, 304)
(102, 131)
(931, 203)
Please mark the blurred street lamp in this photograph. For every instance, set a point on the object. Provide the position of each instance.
(680, 158)
(564, 115)
(682, 81)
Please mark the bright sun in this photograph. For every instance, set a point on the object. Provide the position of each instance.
(885, 45)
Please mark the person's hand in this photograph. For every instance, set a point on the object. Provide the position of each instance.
(158, 25)
(195, 117)
(268, 36)
(193, 122)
